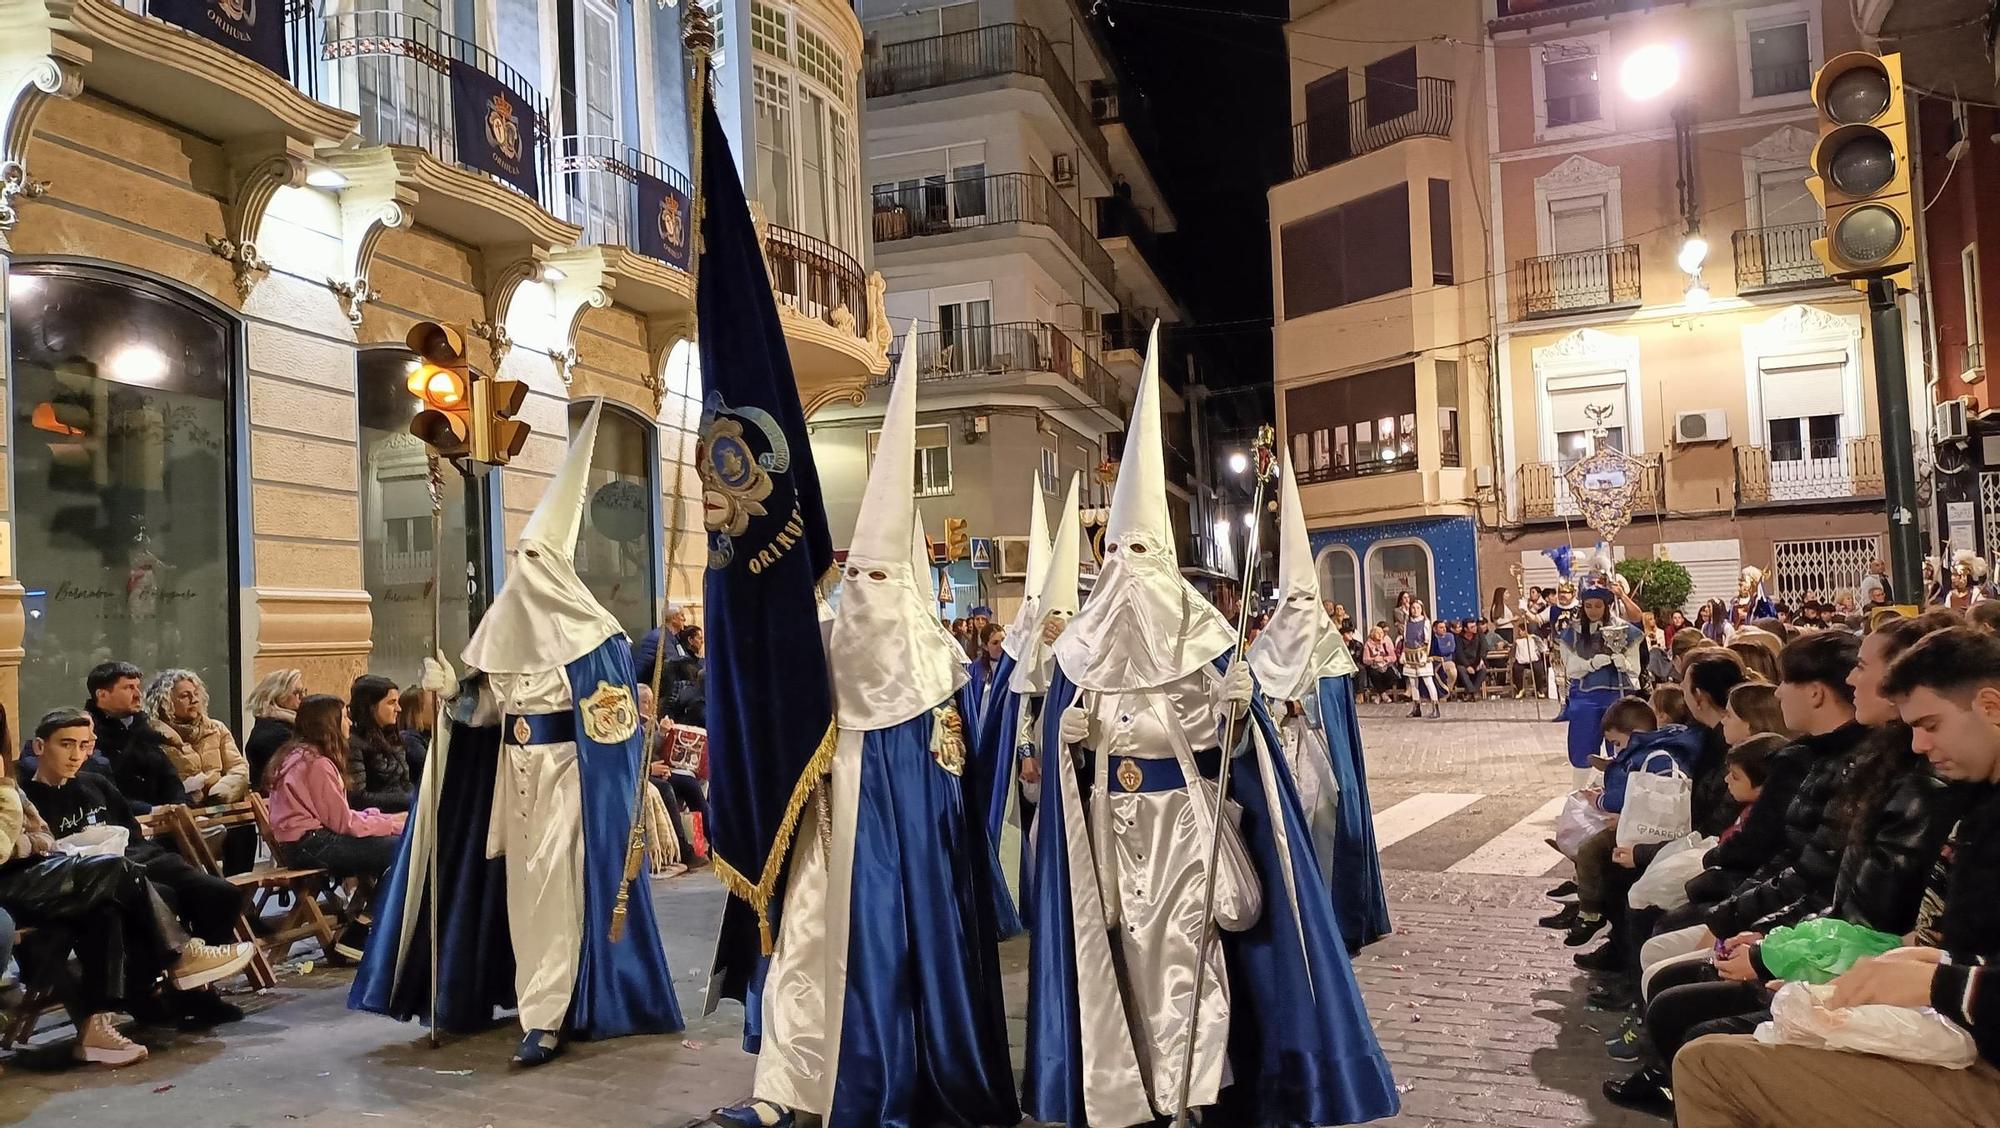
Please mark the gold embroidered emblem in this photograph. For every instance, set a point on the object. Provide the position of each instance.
(1129, 776)
(948, 739)
(521, 730)
(609, 715)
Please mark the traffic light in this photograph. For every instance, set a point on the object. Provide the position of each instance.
(505, 435)
(442, 382)
(1861, 167)
(957, 538)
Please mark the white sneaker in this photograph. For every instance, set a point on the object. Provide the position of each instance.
(202, 964)
(102, 1044)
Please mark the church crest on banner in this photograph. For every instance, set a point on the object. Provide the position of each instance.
(740, 453)
(610, 716)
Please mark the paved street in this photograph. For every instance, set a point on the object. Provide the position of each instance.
(1480, 1012)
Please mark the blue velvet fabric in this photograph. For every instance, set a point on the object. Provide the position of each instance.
(622, 988)
(1358, 899)
(1585, 713)
(990, 769)
(924, 1033)
(1300, 1048)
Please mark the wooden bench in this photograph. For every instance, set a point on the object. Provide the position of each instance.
(19, 1024)
(305, 919)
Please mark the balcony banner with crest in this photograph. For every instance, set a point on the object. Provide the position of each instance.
(665, 218)
(254, 29)
(770, 697)
(497, 130)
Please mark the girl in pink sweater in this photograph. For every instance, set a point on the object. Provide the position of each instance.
(310, 816)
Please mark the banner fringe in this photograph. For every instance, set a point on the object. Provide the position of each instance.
(758, 895)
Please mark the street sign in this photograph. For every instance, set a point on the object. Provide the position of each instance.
(982, 554)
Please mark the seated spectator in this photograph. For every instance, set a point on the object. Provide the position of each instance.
(71, 800)
(1684, 643)
(1379, 659)
(1471, 661)
(419, 715)
(1706, 684)
(204, 752)
(270, 709)
(378, 770)
(1670, 704)
(1758, 660)
(310, 814)
(686, 690)
(1947, 689)
(136, 750)
(1444, 654)
(648, 649)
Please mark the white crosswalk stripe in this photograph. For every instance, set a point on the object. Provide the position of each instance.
(1396, 823)
(1519, 850)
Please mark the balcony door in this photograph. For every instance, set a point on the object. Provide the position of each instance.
(965, 327)
(1579, 231)
(1329, 138)
(400, 101)
(1789, 219)
(1803, 408)
(592, 109)
(1578, 405)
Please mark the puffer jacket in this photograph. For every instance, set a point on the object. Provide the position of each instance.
(203, 747)
(1812, 805)
(1734, 860)
(272, 731)
(378, 772)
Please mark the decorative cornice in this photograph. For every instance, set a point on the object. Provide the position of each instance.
(663, 332)
(28, 90)
(379, 195)
(258, 173)
(1796, 321)
(851, 396)
(508, 269)
(584, 286)
(1577, 171)
(1586, 344)
(1790, 145)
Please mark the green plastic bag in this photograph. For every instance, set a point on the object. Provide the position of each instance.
(1817, 950)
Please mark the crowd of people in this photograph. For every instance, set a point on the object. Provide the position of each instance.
(1834, 770)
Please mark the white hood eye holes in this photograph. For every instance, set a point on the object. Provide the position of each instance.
(853, 573)
(878, 574)
(1136, 546)
(532, 554)
(1110, 547)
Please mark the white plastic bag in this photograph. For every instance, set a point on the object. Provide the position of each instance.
(95, 842)
(1800, 1016)
(1657, 807)
(1664, 884)
(1580, 818)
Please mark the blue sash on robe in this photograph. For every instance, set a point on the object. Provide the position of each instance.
(1301, 1050)
(923, 1038)
(1358, 898)
(990, 769)
(622, 988)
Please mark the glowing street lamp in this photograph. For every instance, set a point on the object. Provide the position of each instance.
(1650, 71)
(1238, 462)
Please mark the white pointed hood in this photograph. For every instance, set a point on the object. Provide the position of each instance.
(1145, 625)
(891, 658)
(543, 617)
(1300, 642)
(1029, 614)
(1056, 596)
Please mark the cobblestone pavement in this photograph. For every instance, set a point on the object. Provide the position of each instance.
(1480, 1012)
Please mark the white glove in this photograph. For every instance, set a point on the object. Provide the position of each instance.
(437, 675)
(1075, 725)
(1237, 688)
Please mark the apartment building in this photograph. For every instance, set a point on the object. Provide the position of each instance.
(220, 221)
(1016, 223)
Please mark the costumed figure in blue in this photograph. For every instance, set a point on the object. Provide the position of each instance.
(1132, 734)
(526, 811)
(1599, 653)
(881, 1005)
(1751, 603)
(1304, 669)
(1419, 670)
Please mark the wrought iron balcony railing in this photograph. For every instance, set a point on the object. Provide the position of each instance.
(1772, 258)
(1013, 346)
(1780, 78)
(302, 38)
(1809, 470)
(818, 279)
(601, 188)
(1605, 278)
(1336, 470)
(1544, 493)
(395, 72)
(1320, 142)
(1121, 218)
(984, 52)
(939, 207)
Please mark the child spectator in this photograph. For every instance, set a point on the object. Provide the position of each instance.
(1753, 708)
(310, 816)
(1669, 704)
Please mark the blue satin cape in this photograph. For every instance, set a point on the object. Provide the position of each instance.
(990, 767)
(1301, 1051)
(923, 1038)
(1585, 711)
(1358, 898)
(622, 988)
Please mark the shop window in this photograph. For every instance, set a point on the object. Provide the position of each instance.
(398, 540)
(1393, 569)
(1339, 582)
(1349, 253)
(124, 482)
(615, 554)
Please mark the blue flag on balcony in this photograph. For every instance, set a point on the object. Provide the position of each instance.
(497, 129)
(666, 216)
(770, 698)
(252, 29)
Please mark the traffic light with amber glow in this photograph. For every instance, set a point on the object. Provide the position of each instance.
(1861, 167)
(442, 382)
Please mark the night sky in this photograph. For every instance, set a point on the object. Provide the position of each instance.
(1212, 75)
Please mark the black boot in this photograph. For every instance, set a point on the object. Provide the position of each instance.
(1587, 926)
(1644, 1091)
(1607, 957)
(1566, 889)
(1416, 710)
(1561, 920)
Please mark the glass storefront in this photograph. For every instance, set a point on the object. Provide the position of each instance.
(615, 555)
(124, 481)
(397, 539)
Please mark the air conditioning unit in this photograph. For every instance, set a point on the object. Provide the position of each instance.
(1711, 426)
(1948, 421)
(1065, 173)
(1012, 554)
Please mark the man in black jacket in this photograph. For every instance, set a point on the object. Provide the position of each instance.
(136, 750)
(1948, 691)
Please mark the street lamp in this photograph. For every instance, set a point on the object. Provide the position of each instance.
(1250, 519)
(1650, 71)
(1238, 462)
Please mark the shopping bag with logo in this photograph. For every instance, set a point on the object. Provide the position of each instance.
(1658, 808)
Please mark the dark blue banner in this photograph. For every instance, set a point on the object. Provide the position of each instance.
(254, 29)
(666, 221)
(770, 700)
(495, 126)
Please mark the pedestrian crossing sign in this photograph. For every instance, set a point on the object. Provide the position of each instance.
(982, 553)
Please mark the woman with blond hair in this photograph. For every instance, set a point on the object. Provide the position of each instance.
(202, 748)
(272, 709)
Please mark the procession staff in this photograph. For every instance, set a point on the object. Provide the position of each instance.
(1118, 892)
